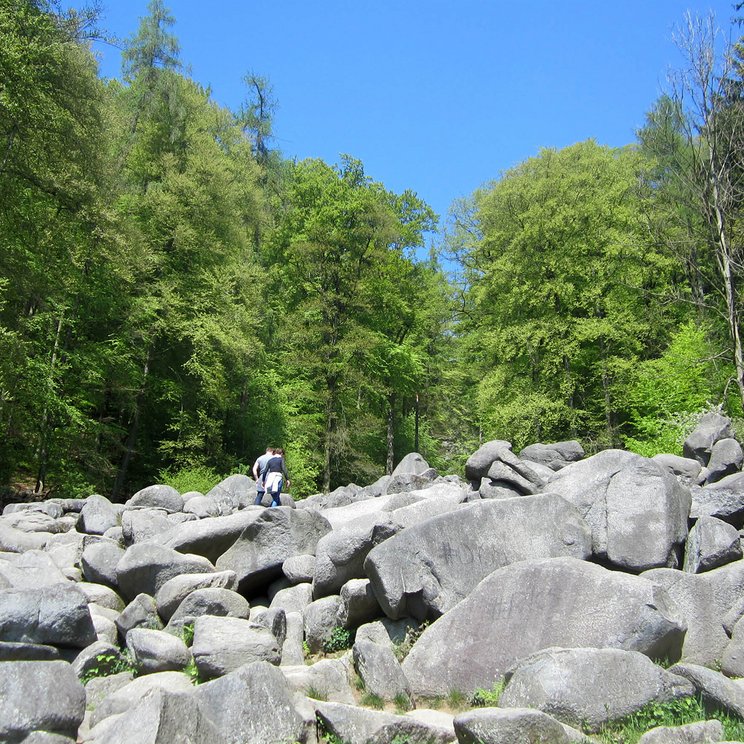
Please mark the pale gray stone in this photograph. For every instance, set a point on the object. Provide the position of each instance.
(223, 644)
(405, 482)
(293, 653)
(210, 537)
(16, 541)
(129, 696)
(252, 704)
(732, 662)
(342, 516)
(160, 717)
(354, 725)
(99, 560)
(726, 457)
(701, 732)
(636, 509)
(32, 521)
(413, 463)
(320, 620)
(98, 689)
(159, 496)
(66, 550)
(44, 737)
(341, 496)
(106, 628)
(201, 506)
(59, 709)
(56, 615)
(340, 554)
(16, 651)
(143, 525)
(141, 612)
(327, 679)
(275, 619)
(299, 569)
(358, 604)
(210, 601)
(710, 544)
(554, 456)
(294, 598)
(684, 468)
(258, 554)
(175, 590)
(103, 596)
(427, 569)
(716, 690)
(424, 509)
(233, 493)
(380, 671)
(30, 570)
(723, 499)
(590, 686)
(97, 515)
(156, 651)
(508, 726)
(711, 428)
(145, 567)
(532, 605)
(702, 601)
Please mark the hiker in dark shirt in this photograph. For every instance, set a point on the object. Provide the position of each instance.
(275, 476)
(259, 471)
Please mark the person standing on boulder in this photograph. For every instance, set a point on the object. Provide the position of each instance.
(259, 471)
(275, 475)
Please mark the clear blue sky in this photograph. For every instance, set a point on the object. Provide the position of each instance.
(439, 96)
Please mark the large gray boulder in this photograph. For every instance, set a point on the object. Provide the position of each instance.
(723, 499)
(353, 725)
(703, 601)
(328, 679)
(277, 534)
(30, 570)
(159, 496)
(380, 671)
(716, 690)
(412, 464)
(497, 472)
(160, 717)
(427, 569)
(710, 544)
(293, 598)
(145, 567)
(299, 569)
(141, 612)
(711, 428)
(341, 553)
(252, 704)
(233, 493)
(358, 604)
(529, 606)
(320, 618)
(732, 662)
(175, 590)
(146, 524)
(97, 515)
(56, 615)
(224, 644)
(726, 457)
(684, 468)
(99, 560)
(13, 540)
(555, 456)
(39, 695)
(588, 687)
(636, 509)
(210, 601)
(209, 537)
(700, 732)
(156, 651)
(510, 726)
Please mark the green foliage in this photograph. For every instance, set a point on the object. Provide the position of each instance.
(403, 648)
(672, 713)
(193, 672)
(457, 700)
(187, 633)
(402, 702)
(488, 698)
(196, 478)
(109, 664)
(339, 640)
(372, 700)
(316, 693)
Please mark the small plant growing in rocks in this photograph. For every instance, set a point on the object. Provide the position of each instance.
(110, 664)
(402, 702)
(488, 698)
(371, 700)
(339, 640)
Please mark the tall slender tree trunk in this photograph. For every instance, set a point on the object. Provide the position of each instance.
(43, 454)
(131, 441)
(390, 463)
(330, 430)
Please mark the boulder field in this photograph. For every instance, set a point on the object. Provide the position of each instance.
(581, 588)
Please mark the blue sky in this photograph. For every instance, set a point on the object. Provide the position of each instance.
(439, 96)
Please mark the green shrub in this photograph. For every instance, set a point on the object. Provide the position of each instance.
(193, 672)
(109, 664)
(371, 700)
(339, 640)
(488, 698)
(457, 700)
(191, 478)
(403, 648)
(187, 633)
(402, 702)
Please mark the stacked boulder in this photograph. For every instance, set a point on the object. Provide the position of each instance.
(559, 577)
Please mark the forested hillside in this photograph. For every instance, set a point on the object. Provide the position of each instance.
(175, 294)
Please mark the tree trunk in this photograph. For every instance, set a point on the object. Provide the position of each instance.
(43, 455)
(390, 463)
(131, 441)
(330, 429)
